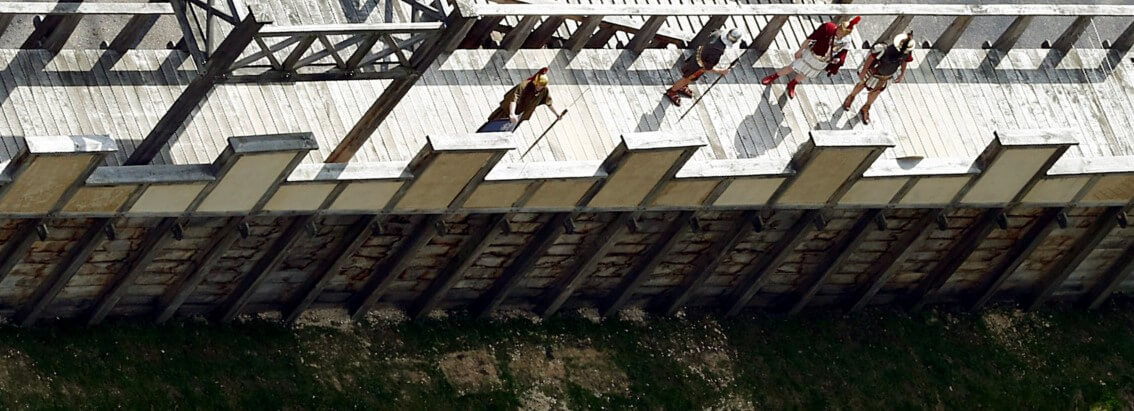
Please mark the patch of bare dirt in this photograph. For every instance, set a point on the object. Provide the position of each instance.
(337, 319)
(471, 371)
(733, 403)
(593, 370)
(534, 366)
(536, 400)
(18, 374)
(514, 314)
(633, 315)
(386, 316)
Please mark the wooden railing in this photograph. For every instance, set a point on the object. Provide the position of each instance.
(591, 16)
(52, 31)
(309, 52)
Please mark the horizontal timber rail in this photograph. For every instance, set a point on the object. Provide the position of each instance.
(646, 35)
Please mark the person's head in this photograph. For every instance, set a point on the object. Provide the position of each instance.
(731, 36)
(847, 27)
(904, 42)
(539, 79)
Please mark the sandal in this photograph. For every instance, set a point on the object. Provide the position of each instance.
(673, 97)
(847, 103)
(864, 115)
(685, 91)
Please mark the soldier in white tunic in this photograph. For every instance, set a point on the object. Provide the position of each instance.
(824, 50)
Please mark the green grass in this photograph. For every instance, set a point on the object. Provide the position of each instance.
(999, 359)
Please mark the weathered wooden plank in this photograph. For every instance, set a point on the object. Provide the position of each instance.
(133, 32)
(653, 257)
(50, 287)
(890, 262)
(1114, 276)
(1054, 277)
(795, 9)
(711, 259)
(838, 255)
(273, 256)
(898, 25)
(1012, 34)
(480, 31)
(544, 33)
(1015, 256)
(180, 290)
(949, 37)
(583, 33)
(153, 242)
(292, 59)
(519, 34)
(711, 26)
(392, 266)
(1122, 43)
(645, 36)
(1069, 36)
(352, 239)
(768, 34)
(521, 265)
(591, 254)
(471, 248)
(959, 251)
(753, 277)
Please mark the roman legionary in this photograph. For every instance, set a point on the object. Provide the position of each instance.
(704, 60)
(520, 103)
(824, 50)
(880, 66)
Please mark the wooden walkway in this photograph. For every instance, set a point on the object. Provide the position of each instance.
(948, 107)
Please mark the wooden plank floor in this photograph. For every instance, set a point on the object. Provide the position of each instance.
(948, 107)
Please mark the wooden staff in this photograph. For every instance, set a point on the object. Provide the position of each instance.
(698, 100)
(553, 123)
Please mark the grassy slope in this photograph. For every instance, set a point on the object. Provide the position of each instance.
(1000, 359)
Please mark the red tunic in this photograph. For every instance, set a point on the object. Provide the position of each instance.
(823, 36)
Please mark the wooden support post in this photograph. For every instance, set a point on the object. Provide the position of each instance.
(764, 40)
(653, 257)
(959, 251)
(1122, 43)
(76, 256)
(196, 92)
(837, 255)
(304, 44)
(715, 23)
(519, 34)
(456, 29)
(645, 36)
(753, 277)
(480, 32)
(1036, 234)
(53, 31)
(392, 266)
(544, 33)
(711, 259)
(1114, 276)
(601, 37)
(133, 32)
(180, 290)
(274, 255)
(1054, 277)
(521, 265)
(18, 246)
(899, 25)
(948, 38)
(1067, 40)
(360, 53)
(352, 239)
(582, 34)
(5, 21)
(890, 262)
(471, 248)
(1012, 34)
(591, 255)
(153, 242)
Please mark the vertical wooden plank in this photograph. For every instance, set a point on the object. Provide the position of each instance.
(653, 257)
(471, 248)
(959, 251)
(1015, 256)
(712, 258)
(520, 266)
(352, 239)
(1054, 277)
(153, 242)
(948, 38)
(1117, 273)
(837, 255)
(645, 36)
(1012, 34)
(753, 277)
(890, 262)
(180, 290)
(392, 266)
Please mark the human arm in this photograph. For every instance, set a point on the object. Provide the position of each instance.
(905, 63)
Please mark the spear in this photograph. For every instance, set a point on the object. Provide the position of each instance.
(698, 100)
(553, 123)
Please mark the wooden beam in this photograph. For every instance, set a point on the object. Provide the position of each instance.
(1054, 277)
(1072, 34)
(753, 277)
(392, 266)
(793, 9)
(273, 256)
(583, 33)
(50, 287)
(544, 33)
(899, 25)
(196, 92)
(155, 239)
(837, 255)
(590, 255)
(537, 245)
(1114, 276)
(18, 245)
(480, 32)
(890, 262)
(1122, 43)
(519, 33)
(29, 8)
(948, 38)
(352, 239)
(52, 31)
(456, 29)
(1015, 256)
(5, 22)
(133, 32)
(768, 34)
(645, 36)
(292, 58)
(653, 257)
(959, 251)
(711, 26)
(180, 290)
(1012, 34)
(471, 248)
(711, 259)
